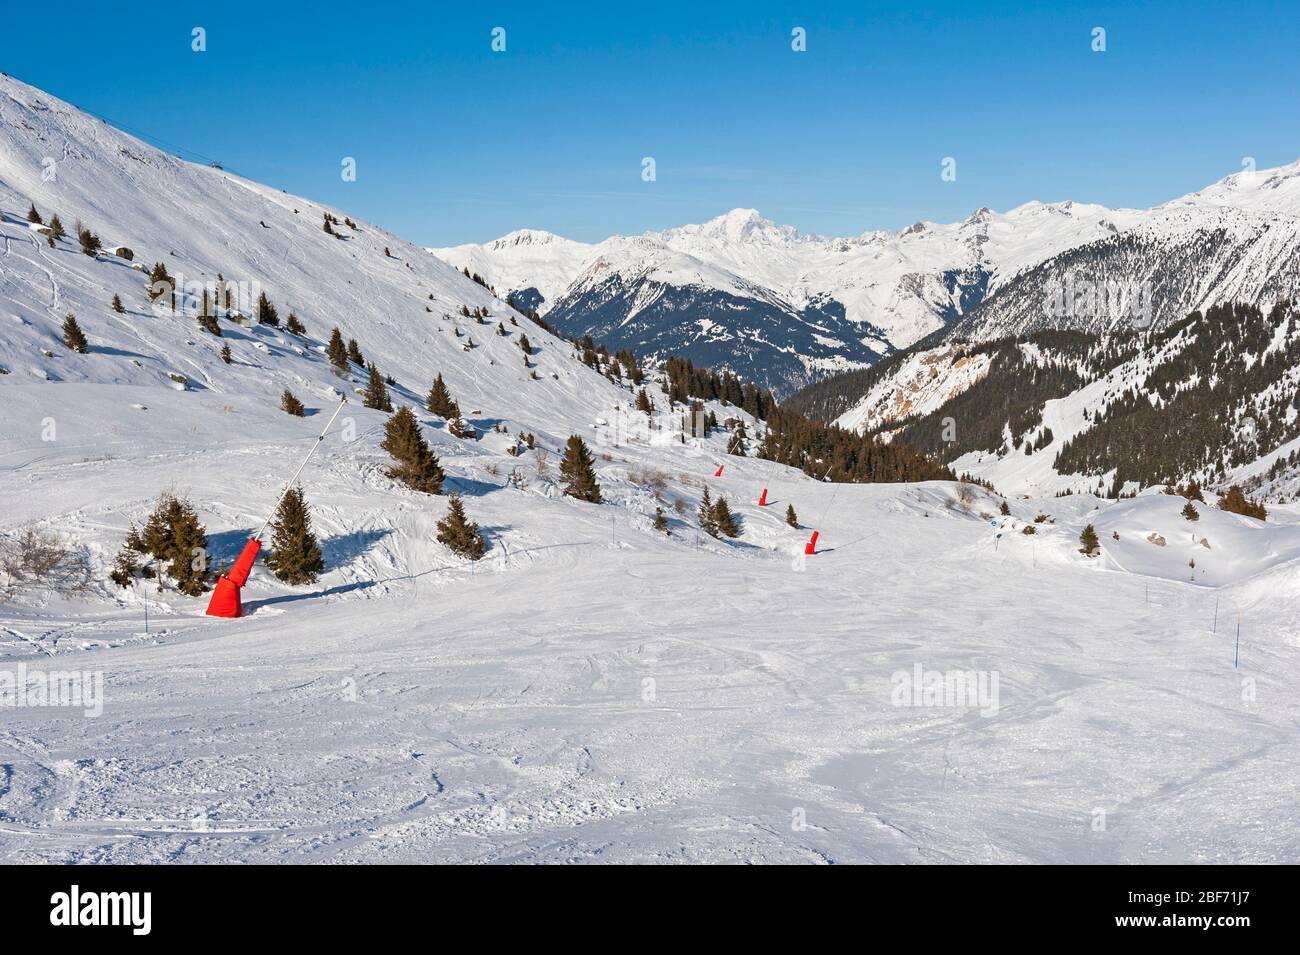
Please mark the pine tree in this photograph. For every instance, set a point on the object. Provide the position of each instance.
(189, 560)
(1005, 508)
(1236, 502)
(160, 282)
(295, 555)
(577, 471)
(723, 519)
(460, 535)
(1189, 512)
(33, 216)
(790, 517)
(73, 336)
(126, 567)
(90, 243)
(643, 402)
(1089, 540)
(705, 514)
(525, 344)
(736, 445)
(337, 351)
(661, 522)
(354, 352)
(117, 305)
(56, 228)
(376, 395)
(457, 428)
(440, 402)
(209, 324)
(295, 325)
(225, 354)
(328, 229)
(416, 466)
(266, 313)
(290, 404)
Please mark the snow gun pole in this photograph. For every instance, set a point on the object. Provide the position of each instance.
(288, 486)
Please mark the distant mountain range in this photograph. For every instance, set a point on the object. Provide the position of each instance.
(771, 304)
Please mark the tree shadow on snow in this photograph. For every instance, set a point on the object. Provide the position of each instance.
(346, 548)
(468, 487)
(254, 605)
(225, 546)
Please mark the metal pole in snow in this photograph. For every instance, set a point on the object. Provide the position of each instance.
(1236, 654)
(1216, 616)
(319, 439)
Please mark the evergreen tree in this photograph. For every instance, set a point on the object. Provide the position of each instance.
(290, 404)
(160, 282)
(189, 560)
(117, 305)
(126, 567)
(643, 402)
(354, 352)
(337, 351)
(1189, 512)
(295, 325)
(460, 535)
(705, 514)
(295, 555)
(1088, 539)
(661, 522)
(1005, 508)
(33, 216)
(416, 466)
(736, 445)
(209, 324)
(457, 428)
(577, 471)
(376, 395)
(790, 517)
(90, 243)
(440, 402)
(73, 336)
(225, 354)
(1236, 502)
(723, 519)
(173, 536)
(525, 345)
(266, 313)
(56, 228)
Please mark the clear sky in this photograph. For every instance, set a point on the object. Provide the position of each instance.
(456, 143)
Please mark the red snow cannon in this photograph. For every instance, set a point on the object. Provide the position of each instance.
(225, 598)
(811, 547)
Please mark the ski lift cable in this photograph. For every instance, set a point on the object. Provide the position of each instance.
(175, 148)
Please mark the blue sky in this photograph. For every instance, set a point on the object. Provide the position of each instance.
(456, 143)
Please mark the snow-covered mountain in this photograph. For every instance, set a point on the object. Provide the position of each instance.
(785, 309)
(768, 302)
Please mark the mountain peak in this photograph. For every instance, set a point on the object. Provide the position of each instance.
(525, 237)
(736, 226)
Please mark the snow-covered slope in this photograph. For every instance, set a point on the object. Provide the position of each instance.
(593, 690)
